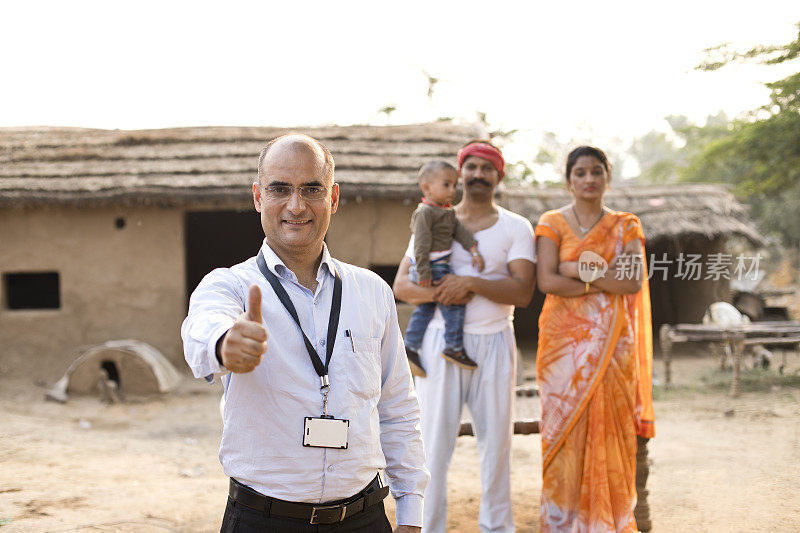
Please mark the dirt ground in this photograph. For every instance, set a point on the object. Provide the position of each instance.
(718, 464)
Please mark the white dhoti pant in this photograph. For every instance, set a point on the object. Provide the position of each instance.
(488, 391)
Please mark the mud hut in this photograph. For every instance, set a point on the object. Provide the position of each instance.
(105, 233)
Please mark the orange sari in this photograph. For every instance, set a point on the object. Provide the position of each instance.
(594, 366)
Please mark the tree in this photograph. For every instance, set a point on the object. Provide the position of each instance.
(663, 157)
(760, 155)
(553, 152)
(657, 156)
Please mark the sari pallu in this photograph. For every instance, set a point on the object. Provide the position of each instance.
(593, 365)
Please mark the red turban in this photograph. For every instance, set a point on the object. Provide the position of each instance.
(486, 151)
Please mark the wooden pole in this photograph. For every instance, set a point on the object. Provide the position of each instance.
(521, 427)
(737, 343)
(666, 352)
(718, 353)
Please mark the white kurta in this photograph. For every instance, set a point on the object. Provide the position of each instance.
(487, 391)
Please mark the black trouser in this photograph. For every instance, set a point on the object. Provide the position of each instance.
(240, 518)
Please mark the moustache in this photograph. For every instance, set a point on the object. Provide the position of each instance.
(482, 181)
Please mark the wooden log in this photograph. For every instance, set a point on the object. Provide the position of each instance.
(775, 328)
(521, 427)
(771, 340)
(527, 390)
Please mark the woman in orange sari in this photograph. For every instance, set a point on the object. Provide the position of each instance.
(595, 355)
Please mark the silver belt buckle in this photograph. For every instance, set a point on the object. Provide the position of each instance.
(325, 508)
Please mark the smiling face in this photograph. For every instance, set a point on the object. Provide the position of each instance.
(588, 178)
(295, 226)
(479, 176)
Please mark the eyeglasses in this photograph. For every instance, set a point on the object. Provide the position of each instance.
(307, 192)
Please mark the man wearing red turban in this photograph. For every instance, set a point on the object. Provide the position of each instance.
(483, 150)
(506, 244)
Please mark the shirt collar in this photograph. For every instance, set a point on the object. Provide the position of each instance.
(441, 206)
(276, 265)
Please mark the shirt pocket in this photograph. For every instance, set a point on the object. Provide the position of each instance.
(364, 374)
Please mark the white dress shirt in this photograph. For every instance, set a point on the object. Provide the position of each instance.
(370, 385)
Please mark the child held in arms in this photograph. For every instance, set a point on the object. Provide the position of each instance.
(435, 225)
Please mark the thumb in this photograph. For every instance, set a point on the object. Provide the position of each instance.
(254, 305)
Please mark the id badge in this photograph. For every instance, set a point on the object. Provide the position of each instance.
(325, 432)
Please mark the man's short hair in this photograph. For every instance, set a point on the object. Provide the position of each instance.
(430, 167)
(329, 164)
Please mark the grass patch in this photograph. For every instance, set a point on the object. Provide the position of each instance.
(718, 381)
(752, 380)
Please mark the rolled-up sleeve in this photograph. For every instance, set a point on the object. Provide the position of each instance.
(213, 308)
(401, 438)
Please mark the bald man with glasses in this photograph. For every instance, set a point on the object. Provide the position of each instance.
(319, 396)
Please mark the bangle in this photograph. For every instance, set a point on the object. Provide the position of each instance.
(586, 291)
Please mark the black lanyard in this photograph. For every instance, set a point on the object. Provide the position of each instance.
(333, 321)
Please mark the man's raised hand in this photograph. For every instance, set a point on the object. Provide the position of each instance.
(244, 344)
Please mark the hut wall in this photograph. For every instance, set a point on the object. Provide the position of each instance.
(371, 232)
(115, 282)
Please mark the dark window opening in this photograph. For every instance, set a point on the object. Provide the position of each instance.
(119, 223)
(386, 272)
(217, 239)
(26, 290)
(111, 369)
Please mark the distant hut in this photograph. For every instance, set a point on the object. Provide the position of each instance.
(105, 233)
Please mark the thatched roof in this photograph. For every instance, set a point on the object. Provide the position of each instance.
(184, 166)
(665, 211)
(213, 166)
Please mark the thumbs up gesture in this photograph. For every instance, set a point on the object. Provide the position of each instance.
(243, 345)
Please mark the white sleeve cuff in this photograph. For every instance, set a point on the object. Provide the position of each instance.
(408, 510)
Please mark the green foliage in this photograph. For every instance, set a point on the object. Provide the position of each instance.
(553, 152)
(720, 55)
(432, 81)
(752, 379)
(780, 213)
(502, 136)
(658, 157)
(519, 173)
(759, 155)
(784, 93)
(388, 110)
(756, 157)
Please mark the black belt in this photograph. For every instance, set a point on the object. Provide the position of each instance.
(328, 513)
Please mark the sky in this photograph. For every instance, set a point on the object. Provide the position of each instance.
(602, 72)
